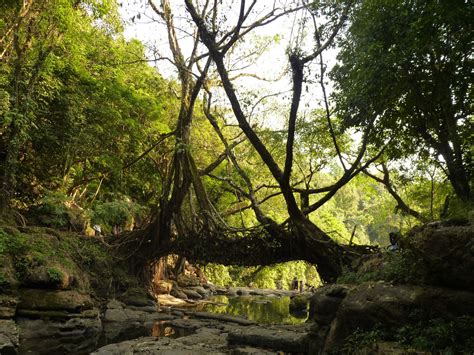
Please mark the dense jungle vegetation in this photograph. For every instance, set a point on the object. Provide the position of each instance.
(200, 161)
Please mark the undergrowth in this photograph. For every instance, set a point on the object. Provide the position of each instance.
(438, 336)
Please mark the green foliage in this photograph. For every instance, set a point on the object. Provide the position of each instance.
(398, 267)
(117, 212)
(217, 274)
(435, 335)
(407, 64)
(262, 277)
(55, 275)
(73, 112)
(52, 210)
(360, 340)
(85, 258)
(449, 337)
(3, 282)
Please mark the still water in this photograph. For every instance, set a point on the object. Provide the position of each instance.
(264, 310)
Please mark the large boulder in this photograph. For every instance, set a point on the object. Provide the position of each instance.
(49, 300)
(386, 305)
(325, 303)
(446, 253)
(277, 339)
(50, 277)
(137, 297)
(61, 336)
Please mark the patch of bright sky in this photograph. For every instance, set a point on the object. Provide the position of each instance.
(255, 77)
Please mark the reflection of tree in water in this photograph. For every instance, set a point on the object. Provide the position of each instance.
(260, 309)
(164, 329)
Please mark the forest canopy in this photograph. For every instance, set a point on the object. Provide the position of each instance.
(239, 134)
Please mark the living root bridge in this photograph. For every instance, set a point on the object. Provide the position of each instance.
(250, 248)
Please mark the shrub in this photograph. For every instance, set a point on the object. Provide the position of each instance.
(55, 275)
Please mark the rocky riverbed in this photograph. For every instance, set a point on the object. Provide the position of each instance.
(395, 303)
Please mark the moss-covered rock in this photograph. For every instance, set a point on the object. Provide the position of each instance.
(299, 303)
(387, 306)
(445, 254)
(49, 300)
(188, 280)
(137, 297)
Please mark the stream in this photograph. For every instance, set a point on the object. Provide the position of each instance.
(261, 309)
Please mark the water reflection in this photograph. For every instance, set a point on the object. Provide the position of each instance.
(265, 310)
(164, 329)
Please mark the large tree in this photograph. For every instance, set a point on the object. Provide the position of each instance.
(186, 220)
(408, 65)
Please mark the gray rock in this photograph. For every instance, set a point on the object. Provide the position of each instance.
(115, 304)
(210, 287)
(137, 297)
(250, 351)
(7, 306)
(220, 290)
(177, 313)
(115, 315)
(47, 300)
(65, 336)
(178, 292)
(9, 337)
(188, 323)
(391, 305)
(148, 309)
(188, 280)
(276, 339)
(201, 290)
(191, 293)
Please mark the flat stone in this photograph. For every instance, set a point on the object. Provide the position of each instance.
(247, 350)
(177, 313)
(8, 305)
(168, 300)
(7, 312)
(220, 290)
(31, 313)
(224, 318)
(188, 323)
(148, 309)
(275, 339)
